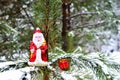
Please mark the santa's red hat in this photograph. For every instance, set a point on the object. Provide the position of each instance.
(37, 30)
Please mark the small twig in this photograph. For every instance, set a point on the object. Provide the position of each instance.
(87, 25)
(80, 13)
(81, 0)
(29, 18)
(94, 24)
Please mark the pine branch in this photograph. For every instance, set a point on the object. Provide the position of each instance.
(97, 63)
(80, 13)
(81, 0)
(8, 63)
(8, 26)
(90, 24)
(28, 17)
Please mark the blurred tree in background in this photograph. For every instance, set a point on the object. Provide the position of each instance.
(93, 24)
(14, 28)
(88, 20)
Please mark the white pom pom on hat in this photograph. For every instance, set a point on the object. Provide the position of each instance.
(37, 30)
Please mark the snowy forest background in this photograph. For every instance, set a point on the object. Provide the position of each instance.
(93, 39)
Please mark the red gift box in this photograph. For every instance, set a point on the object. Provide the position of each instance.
(63, 64)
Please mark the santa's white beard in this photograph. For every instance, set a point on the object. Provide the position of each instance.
(38, 44)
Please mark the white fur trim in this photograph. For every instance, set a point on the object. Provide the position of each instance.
(38, 61)
(37, 28)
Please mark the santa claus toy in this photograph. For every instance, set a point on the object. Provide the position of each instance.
(38, 47)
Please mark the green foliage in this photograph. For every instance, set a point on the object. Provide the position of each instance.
(99, 17)
(89, 30)
(84, 32)
(41, 14)
(13, 40)
(92, 66)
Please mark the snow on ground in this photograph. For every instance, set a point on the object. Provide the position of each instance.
(20, 74)
(13, 75)
(4, 64)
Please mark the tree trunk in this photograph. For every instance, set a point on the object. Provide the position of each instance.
(46, 25)
(45, 73)
(66, 24)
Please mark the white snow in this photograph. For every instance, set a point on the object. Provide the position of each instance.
(115, 57)
(67, 76)
(11, 75)
(3, 64)
(17, 74)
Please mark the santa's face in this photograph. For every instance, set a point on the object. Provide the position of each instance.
(38, 39)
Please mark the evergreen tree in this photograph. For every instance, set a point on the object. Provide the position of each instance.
(92, 24)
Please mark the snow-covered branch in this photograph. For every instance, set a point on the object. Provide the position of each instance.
(81, 13)
(96, 64)
(4, 64)
(90, 24)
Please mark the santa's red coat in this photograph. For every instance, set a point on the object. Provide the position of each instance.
(43, 49)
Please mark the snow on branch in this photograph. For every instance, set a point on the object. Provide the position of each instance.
(9, 27)
(85, 13)
(4, 64)
(90, 24)
(19, 74)
(28, 17)
(80, 64)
